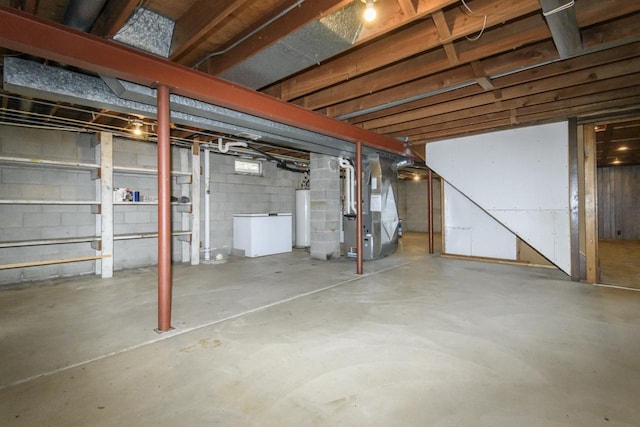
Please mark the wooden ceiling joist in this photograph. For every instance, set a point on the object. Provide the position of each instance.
(401, 45)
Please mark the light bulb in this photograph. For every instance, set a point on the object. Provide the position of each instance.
(370, 12)
(137, 131)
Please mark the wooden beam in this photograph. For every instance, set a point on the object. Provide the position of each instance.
(442, 114)
(591, 203)
(408, 7)
(202, 17)
(562, 21)
(574, 200)
(294, 19)
(548, 77)
(481, 76)
(401, 45)
(390, 83)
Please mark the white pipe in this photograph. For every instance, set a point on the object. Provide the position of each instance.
(350, 179)
(207, 198)
(227, 145)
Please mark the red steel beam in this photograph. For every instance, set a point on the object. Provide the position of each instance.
(359, 245)
(164, 212)
(34, 36)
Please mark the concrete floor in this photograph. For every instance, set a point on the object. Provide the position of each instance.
(619, 262)
(289, 341)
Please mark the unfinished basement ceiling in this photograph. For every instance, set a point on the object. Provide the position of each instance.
(425, 70)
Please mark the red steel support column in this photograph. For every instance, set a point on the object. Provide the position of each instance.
(430, 209)
(164, 212)
(359, 245)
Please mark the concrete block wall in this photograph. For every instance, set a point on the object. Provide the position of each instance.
(33, 222)
(412, 205)
(325, 207)
(232, 193)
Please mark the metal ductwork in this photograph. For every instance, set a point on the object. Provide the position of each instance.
(82, 14)
(147, 31)
(563, 24)
(310, 45)
(379, 211)
(32, 79)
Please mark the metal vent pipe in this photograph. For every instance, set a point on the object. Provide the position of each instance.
(82, 14)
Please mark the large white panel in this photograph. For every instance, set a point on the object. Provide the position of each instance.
(471, 231)
(520, 177)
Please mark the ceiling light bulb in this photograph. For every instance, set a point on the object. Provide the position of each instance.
(137, 128)
(370, 12)
(623, 148)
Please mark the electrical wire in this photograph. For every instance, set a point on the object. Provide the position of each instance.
(484, 24)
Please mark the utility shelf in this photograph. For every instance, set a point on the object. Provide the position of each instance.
(50, 163)
(150, 203)
(52, 241)
(145, 171)
(147, 235)
(49, 202)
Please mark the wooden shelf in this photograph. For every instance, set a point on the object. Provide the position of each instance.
(24, 161)
(147, 235)
(144, 171)
(149, 203)
(52, 241)
(49, 202)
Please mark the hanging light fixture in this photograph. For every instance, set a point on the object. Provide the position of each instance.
(369, 11)
(137, 127)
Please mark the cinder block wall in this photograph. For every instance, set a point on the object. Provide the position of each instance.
(33, 222)
(231, 193)
(412, 205)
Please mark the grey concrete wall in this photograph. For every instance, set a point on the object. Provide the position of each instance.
(231, 193)
(325, 207)
(32, 222)
(412, 205)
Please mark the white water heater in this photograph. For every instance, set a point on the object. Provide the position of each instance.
(303, 218)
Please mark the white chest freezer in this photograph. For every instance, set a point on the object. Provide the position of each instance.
(262, 234)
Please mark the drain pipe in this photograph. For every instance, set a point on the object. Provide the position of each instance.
(207, 199)
(359, 243)
(227, 145)
(349, 196)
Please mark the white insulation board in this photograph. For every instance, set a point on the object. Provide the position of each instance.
(520, 177)
(472, 232)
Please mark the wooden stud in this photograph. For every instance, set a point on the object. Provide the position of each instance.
(591, 212)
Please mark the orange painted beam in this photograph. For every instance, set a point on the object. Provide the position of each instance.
(34, 36)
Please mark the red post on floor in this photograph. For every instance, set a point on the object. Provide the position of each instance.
(164, 212)
(359, 245)
(430, 210)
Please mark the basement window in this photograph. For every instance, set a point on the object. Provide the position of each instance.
(249, 167)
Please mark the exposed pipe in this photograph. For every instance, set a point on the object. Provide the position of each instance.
(207, 200)
(225, 148)
(349, 178)
(164, 212)
(359, 245)
(82, 14)
(430, 210)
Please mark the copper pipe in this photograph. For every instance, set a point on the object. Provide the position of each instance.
(359, 245)
(164, 212)
(430, 210)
